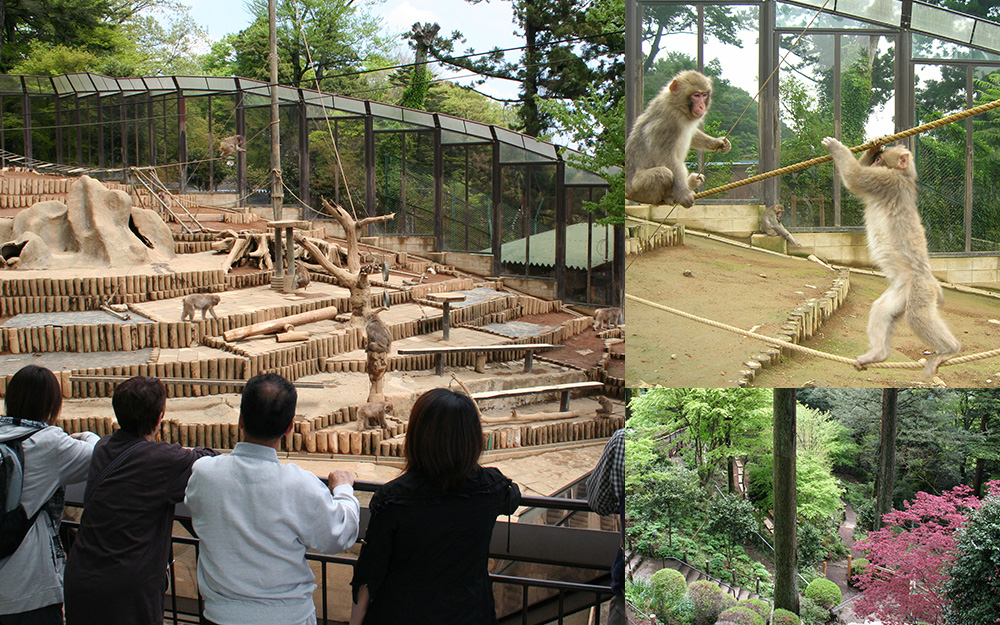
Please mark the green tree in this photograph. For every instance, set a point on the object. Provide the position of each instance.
(569, 48)
(597, 125)
(973, 587)
(327, 41)
(86, 24)
(732, 518)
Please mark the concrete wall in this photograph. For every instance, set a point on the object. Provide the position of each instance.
(736, 220)
(544, 289)
(421, 246)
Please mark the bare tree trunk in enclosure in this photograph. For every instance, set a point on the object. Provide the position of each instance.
(352, 279)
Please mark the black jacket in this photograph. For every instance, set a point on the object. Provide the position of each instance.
(426, 552)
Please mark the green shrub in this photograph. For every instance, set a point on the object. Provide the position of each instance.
(824, 592)
(708, 600)
(859, 566)
(669, 587)
(759, 606)
(741, 616)
(784, 617)
(812, 613)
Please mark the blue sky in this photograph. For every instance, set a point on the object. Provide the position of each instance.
(485, 25)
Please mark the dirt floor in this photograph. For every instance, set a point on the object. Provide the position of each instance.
(733, 285)
(671, 351)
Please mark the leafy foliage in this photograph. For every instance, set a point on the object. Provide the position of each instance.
(741, 616)
(709, 601)
(759, 606)
(597, 125)
(910, 557)
(669, 588)
(782, 616)
(823, 591)
(974, 586)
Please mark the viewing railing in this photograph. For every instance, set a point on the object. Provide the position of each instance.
(541, 600)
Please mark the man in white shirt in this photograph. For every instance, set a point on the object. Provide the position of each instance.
(256, 518)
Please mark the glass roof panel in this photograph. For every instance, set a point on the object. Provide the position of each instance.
(287, 94)
(987, 35)
(38, 84)
(420, 118)
(81, 82)
(11, 85)
(221, 83)
(538, 147)
(193, 83)
(131, 84)
(791, 16)
(456, 138)
(581, 177)
(386, 111)
(944, 23)
(925, 47)
(62, 84)
(882, 11)
(350, 105)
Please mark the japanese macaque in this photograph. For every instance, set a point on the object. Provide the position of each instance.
(200, 301)
(770, 223)
(606, 408)
(231, 145)
(378, 336)
(302, 278)
(661, 138)
(373, 413)
(886, 178)
(607, 318)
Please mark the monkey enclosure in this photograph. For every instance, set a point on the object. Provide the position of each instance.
(455, 185)
(855, 72)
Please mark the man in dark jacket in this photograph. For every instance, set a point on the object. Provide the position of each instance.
(117, 568)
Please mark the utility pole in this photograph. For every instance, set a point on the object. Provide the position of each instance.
(277, 194)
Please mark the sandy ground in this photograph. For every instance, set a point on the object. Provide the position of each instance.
(967, 316)
(726, 286)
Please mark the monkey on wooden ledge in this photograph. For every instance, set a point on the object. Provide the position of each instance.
(661, 138)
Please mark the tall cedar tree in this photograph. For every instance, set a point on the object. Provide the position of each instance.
(549, 66)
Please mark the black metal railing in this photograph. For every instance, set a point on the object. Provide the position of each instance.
(580, 549)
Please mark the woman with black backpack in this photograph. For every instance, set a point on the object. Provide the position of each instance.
(31, 578)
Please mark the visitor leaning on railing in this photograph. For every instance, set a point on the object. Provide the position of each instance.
(256, 518)
(426, 550)
(117, 568)
(31, 577)
(606, 495)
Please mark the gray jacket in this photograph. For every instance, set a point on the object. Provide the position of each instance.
(31, 577)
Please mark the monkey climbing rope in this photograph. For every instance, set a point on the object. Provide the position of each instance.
(808, 350)
(944, 121)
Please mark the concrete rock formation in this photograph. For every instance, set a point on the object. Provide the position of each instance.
(97, 227)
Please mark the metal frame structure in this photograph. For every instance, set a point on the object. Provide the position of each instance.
(109, 125)
(905, 22)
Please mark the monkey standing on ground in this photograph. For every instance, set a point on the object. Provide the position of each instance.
(886, 179)
(770, 223)
(373, 412)
(661, 138)
(200, 301)
(607, 318)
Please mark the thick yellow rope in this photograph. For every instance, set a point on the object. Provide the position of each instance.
(806, 350)
(976, 110)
